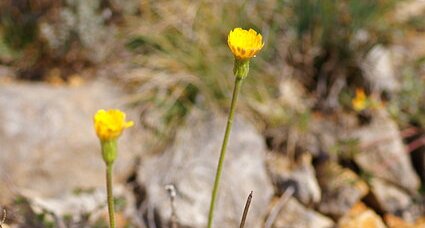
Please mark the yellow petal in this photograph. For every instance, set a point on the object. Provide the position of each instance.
(110, 124)
(244, 44)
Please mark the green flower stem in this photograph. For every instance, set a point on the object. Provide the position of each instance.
(110, 196)
(109, 154)
(236, 89)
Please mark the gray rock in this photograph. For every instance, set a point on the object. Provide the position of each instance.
(324, 133)
(392, 199)
(379, 70)
(292, 95)
(82, 20)
(384, 154)
(300, 175)
(341, 189)
(294, 214)
(190, 165)
(48, 144)
(361, 216)
(73, 209)
(7, 72)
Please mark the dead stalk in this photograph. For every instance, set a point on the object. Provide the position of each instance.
(172, 193)
(245, 211)
(4, 218)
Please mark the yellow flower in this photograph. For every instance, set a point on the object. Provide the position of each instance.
(244, 44)
(110, 124)
(359, 102)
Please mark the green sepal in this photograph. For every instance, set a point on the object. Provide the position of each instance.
(109, 151)
(241, 68)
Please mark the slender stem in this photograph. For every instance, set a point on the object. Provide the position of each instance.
(110, 195)
(236, 90)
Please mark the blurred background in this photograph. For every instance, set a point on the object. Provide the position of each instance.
(330, 125)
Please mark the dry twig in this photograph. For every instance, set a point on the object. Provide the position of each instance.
(172, 193)
(4, 218)
(245, 211)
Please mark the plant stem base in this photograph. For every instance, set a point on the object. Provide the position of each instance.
(236, 89)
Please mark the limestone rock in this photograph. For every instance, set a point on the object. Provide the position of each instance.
(361, 216)
(392, 199)
(384, 154)
(82, 21)
(294, 214)
(291, 95)
(341, 189)
(301, 176)
(7, 72)
(72, 209)
(397, 222)
(324, 133)
(190, 165)
(379, 69)
(48, 145)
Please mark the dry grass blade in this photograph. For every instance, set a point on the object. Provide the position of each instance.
(275, 211)
(4, 218)
(172, 193)
(245, 211)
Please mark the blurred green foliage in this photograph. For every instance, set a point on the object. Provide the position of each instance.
(346, 149)
(408, 105)
(332, 37)
(18, 30)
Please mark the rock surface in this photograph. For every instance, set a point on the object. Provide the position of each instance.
(361, 216)
(392, 199)
(396, 222)
(190, 164)
(324, 133)
(379, 69)
(48, 145)
(384, 154)
(300, 175)
(86, 208)
(341, 189)
(82, 21)
(294, 214)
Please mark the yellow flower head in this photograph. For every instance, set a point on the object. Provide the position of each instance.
(360, 101)
(244, 44)
(110, 124)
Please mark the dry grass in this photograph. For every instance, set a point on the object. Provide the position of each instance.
(182, 49)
